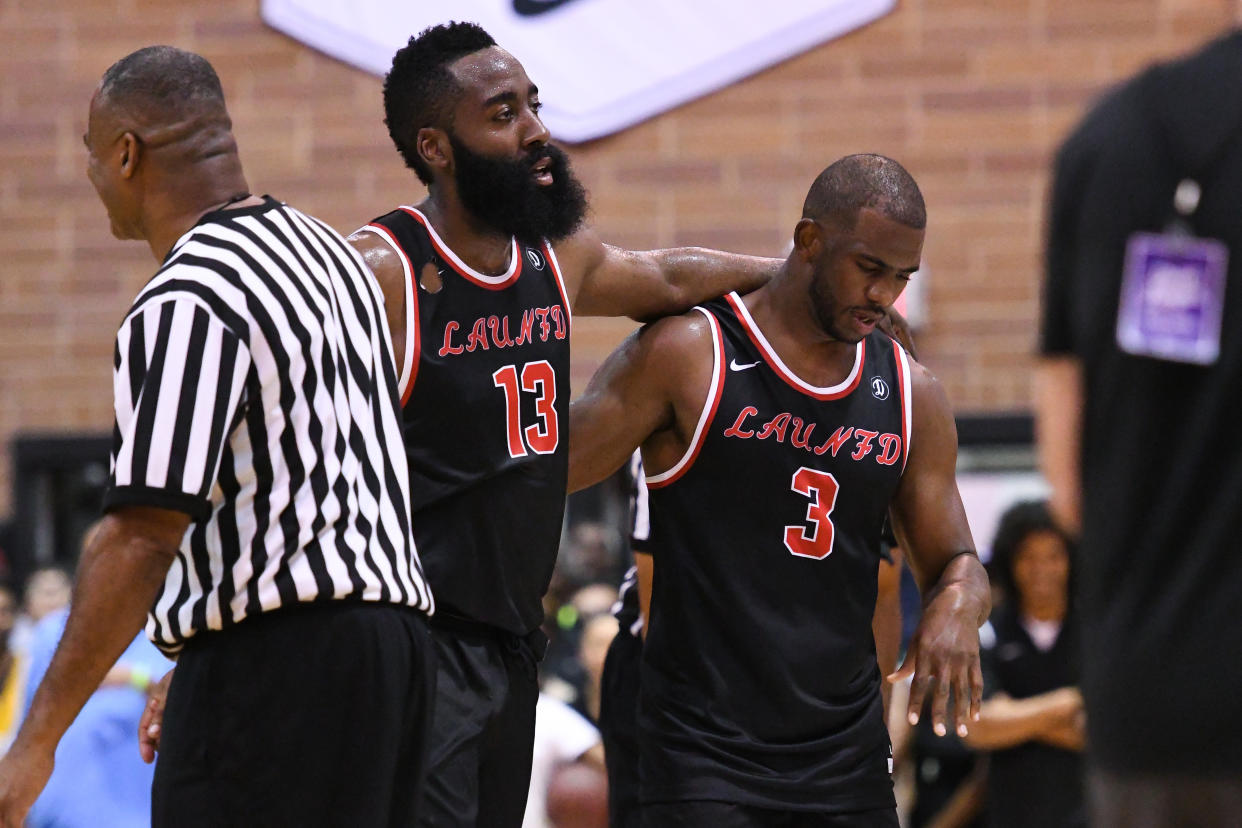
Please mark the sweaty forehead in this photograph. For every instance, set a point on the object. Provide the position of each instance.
(489, 72)
(897, 244)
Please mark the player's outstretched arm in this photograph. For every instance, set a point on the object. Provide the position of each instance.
(931, 526)
(644, 393)
(608, 281)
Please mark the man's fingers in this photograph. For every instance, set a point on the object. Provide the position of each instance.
(976, 690)
(940, 704)
(149, 727)
(962, 699)
(918, 695)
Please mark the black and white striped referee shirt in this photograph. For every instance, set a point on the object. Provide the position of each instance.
(255, 390)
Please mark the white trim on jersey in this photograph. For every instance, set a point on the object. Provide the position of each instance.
(907, 402)
(748, 321)
(709, 404)
(560, 280)
(641, 528)
(411, 325)
(515, 255)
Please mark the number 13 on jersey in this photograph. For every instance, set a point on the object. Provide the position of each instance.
(536, 378)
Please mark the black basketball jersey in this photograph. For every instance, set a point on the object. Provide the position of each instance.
(485, 402)
(760, 683)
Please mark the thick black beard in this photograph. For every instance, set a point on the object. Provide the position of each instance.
(502, 193)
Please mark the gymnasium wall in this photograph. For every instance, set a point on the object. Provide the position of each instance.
(972, 95)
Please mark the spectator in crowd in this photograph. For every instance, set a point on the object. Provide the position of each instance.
(562, 736)
(47, 589)
(598, 631)
(581, 630)
(1032, 720)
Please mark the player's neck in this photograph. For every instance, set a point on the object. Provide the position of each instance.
(783, 313)
(479, 245)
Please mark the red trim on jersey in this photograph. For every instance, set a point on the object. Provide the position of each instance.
(701, 437)
(794, 382)
(411, 316)
(901, 390)
(452, 259)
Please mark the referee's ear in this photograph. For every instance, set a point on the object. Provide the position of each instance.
(131, 154)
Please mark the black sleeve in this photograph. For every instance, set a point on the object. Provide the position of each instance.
(1056, 334)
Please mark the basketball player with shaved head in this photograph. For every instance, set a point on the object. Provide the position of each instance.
(777, 431)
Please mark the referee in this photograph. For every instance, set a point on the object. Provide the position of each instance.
(258, 500)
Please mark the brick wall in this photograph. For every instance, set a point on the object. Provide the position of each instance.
(972, 95)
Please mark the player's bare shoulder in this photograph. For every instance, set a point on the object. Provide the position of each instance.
(682, 352)
(579, 254)
(925, 388)
(934, 428)
(685, 339)
(380, 257)
(389, 272)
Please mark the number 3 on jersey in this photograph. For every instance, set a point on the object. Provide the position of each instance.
(814, 541)
(537, 378)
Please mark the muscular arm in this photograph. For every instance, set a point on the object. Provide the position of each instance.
(648, 393)
(603, 280)
(118, 579)
(931, 527)
(1058, 431)
(1048, 717)
(389, 272)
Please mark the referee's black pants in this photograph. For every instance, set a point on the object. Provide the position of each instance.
(311, 716)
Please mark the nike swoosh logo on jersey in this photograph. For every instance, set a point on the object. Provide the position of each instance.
(738, 366)
(531, 8)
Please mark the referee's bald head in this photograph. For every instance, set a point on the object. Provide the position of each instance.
(163, 81)
(160, 143)
(166, 96)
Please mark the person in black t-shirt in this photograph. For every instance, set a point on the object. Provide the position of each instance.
(777, 431)
(1136, 400)
(1032, 719)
